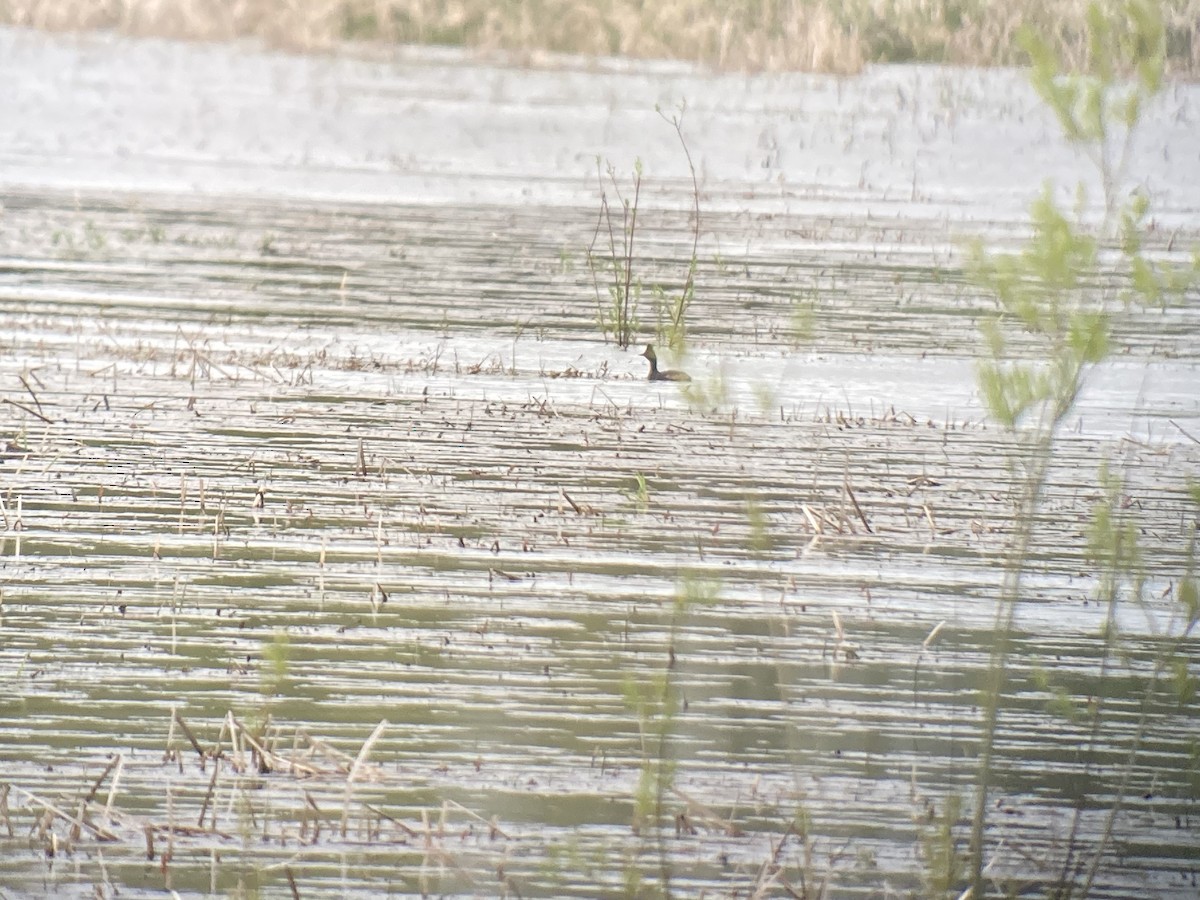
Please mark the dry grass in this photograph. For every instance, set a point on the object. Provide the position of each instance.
(818, 35)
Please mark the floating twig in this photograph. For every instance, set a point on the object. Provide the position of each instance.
(24, 408)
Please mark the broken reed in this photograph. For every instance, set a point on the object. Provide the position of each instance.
(249, 755)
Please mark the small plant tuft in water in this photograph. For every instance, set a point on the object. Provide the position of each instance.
(640, 494)
(89, 243)
(617, 315)
(761, 539)
(276, 666)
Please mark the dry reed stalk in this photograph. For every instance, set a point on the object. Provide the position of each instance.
(358, 765)
(313, 814)
(112, 764)
(4, 789)
(187, 732)
(170, 852)
(770, 873)
(36, 401)
(168, 753)
(707, 816)
(266, 758)
(217, 751)
(365, 750)
(843, 521)
(44, 821)
(933, 635)
(854, 501)
(360, 468)
(815, 521)
(208, 797)
(235, 744)
(433, 851)
(191, 831)
(580, 509)
(321, 572)
(397, 822)
(929, 519)
(182, 501)
(74, 832)
(848, 653)
(26, 409)
(930, 639)
(377, 597)
(218, 529)
(491, 824)
(52, 811)
(1187, 434)
(344, 761)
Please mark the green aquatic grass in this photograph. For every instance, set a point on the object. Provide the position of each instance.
(612, 259)
(611, 256)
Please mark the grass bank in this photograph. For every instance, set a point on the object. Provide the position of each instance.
(815, 35)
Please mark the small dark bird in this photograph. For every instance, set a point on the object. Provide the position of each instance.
(669, 374)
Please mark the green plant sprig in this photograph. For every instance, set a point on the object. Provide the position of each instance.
(1056, 294)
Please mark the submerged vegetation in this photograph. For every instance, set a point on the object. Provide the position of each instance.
(811, 35)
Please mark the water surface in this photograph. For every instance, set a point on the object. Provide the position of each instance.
(314, 440)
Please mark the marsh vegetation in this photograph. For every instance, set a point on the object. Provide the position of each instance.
(770, 35)
(346, 551)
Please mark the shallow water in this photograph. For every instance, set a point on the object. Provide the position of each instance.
(313, 426)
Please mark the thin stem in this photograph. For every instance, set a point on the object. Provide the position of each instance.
(626, 312)
(1040, 449)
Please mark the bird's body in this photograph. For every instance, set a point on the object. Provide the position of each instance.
(666, 374)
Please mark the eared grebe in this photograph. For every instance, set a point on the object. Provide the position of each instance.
(667, 375)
